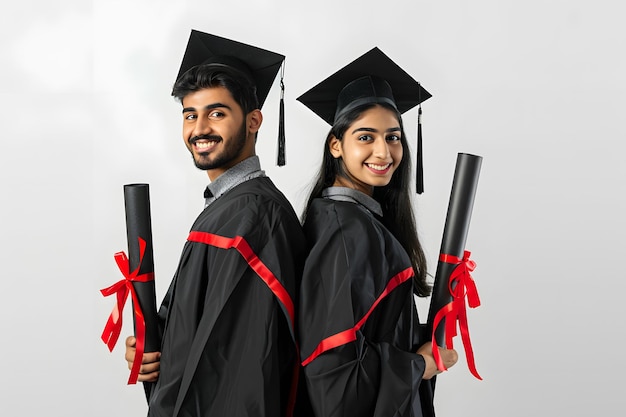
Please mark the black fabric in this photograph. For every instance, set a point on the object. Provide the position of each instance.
(373, 76)
(259, 65)
(352, 258)
(228, 345)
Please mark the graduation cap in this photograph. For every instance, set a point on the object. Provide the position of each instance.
(260, 66)
(371, 78)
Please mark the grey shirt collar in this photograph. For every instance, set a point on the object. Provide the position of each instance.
(354, 196)
(245, 170)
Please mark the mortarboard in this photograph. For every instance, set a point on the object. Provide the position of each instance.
(259, 65)
(371, 78)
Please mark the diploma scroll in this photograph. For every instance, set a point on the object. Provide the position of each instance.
(454, 264)
(139, 227)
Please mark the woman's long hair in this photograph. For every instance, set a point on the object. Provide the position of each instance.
(394, 197)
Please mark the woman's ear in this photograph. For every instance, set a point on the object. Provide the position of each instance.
(334, 146)
(254, 119)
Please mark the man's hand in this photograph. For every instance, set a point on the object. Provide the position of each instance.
(150, 364)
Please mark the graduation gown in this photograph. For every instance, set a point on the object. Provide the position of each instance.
(228, 345)
(359, 329)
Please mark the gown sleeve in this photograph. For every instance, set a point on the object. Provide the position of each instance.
(161, 317)
(354, 366)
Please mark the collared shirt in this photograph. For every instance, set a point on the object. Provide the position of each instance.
(353, 196)
(245, 170)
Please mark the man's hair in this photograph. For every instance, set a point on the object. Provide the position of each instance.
(236, 82)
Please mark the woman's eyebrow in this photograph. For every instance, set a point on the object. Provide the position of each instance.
(369, 129)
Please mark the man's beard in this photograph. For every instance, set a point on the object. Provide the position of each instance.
(232, 149)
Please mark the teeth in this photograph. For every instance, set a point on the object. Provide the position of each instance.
(203, 145)
(378, 167)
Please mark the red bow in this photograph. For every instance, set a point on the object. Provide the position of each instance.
(113, 327)
(460, 285)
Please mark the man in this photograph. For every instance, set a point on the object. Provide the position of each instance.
(228, 346)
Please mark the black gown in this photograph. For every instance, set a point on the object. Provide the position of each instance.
(228, 345)
(358, 324)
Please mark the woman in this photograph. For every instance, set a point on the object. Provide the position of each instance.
(360, 341)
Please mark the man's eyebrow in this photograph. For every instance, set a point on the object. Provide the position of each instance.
(208, 107)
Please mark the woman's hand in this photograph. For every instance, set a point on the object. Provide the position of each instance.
(449, 357)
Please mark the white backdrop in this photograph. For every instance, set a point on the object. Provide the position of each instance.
(535, 87)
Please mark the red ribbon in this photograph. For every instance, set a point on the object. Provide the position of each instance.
(460, 285)
(113, 327)
(257, 265)
(245, 250)
(349, 335)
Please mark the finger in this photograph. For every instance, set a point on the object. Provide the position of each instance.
(148, 359)
(151, 357)
(450, 357)
(150, 368)
(129, 355)
(131, 341)
(146, 368)
(150, 377)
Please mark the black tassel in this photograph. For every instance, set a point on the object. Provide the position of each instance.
(419, 171)
(281, 122)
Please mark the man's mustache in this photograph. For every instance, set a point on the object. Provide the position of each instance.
(194, 139)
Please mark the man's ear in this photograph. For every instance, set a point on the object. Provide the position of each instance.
(334, 146)
(254, 120)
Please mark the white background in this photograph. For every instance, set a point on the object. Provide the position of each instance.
(535, 87)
